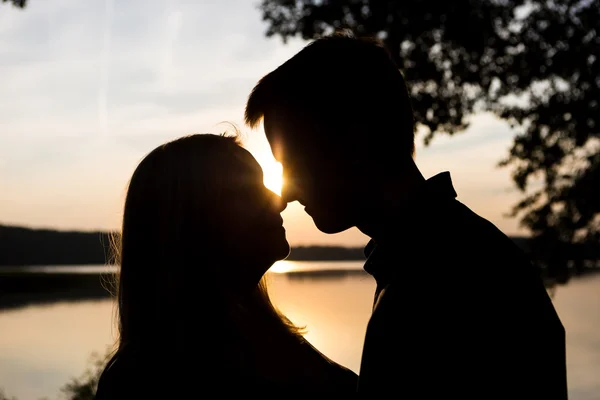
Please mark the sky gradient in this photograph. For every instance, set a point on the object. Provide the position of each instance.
(89, 88)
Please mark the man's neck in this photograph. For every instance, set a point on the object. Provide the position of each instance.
(388, 200)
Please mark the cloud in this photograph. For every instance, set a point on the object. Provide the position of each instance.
(75, 66)
(90, 87)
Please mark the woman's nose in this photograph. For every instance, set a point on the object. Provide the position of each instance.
(278, 203)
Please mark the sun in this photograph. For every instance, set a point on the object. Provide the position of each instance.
(273, 176)
(259, 147)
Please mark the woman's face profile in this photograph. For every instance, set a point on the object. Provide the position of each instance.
(251, 219)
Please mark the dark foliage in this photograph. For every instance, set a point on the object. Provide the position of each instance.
(532, 63)
(17, 3)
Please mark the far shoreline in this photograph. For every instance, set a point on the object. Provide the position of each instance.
(21, 287)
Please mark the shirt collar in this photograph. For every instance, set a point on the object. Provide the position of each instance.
(436, 190)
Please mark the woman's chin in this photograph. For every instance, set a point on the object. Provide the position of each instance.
(271, 250)
(282, 251)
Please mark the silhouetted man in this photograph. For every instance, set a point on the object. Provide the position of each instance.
(459, 311)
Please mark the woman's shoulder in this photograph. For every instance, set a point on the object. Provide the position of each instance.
(338, 377)
(125, 376)
(112, 380)
(250, 384)
(299, 369)
(346, 379)
(344, 372)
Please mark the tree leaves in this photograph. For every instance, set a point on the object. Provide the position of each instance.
(532, 63)
(17, 3)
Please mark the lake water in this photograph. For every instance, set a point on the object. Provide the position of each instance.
(43, 346)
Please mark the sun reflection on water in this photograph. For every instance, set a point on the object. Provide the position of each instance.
(283, 266)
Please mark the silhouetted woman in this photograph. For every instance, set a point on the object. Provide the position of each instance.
(199, 232)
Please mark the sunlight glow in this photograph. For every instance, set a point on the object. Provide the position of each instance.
(273, 176)
(283, 266)
(259, 147)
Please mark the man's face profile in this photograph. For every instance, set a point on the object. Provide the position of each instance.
(311, 175)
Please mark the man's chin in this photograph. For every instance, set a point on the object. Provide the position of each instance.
(330, 226)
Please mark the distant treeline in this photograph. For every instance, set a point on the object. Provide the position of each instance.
(24, 246)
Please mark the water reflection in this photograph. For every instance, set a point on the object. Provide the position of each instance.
(19, 290)
(25, 286)
(43, 345)
(307, 267)
(325, 274)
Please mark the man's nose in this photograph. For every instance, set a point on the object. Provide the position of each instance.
(289, 191)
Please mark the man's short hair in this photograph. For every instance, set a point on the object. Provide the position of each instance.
(343, 82)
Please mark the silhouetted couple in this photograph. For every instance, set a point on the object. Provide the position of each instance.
(459, 311)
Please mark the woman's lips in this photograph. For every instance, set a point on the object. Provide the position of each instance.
(276, 228)
(274, 224)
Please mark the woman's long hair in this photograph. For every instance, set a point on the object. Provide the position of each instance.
(170, 252)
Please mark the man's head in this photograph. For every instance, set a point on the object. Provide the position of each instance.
(337, 114)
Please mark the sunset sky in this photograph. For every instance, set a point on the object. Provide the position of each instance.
(90, 87)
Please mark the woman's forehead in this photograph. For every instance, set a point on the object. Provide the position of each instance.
(243, 164)
(247, 160)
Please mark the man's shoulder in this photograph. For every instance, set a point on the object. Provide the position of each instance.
(452, 229)
(464, 228)
(451, 245)
(467, 220)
